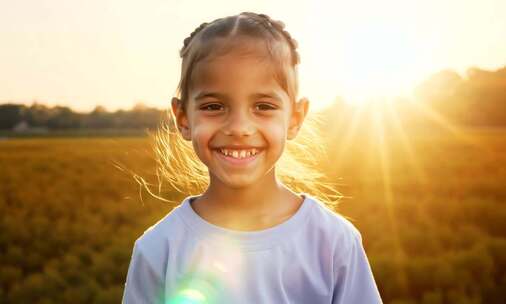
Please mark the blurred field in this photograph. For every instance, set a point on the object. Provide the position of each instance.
(433, 223)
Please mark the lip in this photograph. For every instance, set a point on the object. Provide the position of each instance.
(238, 147)
(237, 161)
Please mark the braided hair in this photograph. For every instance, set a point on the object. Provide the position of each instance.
(187, 40)
(274, 26)
(201, 41)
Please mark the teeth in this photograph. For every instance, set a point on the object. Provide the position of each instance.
(239, 153)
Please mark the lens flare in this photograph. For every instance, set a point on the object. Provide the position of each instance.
(196, 288)
(212, 271)
(189, 296)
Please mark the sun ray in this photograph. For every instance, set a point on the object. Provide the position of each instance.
(469, 136)
(406, 144)
(389, 197)
(436, 117)
(345, 143)
(419, 172)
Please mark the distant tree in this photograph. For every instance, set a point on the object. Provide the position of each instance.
(484, 97)
(63, 118)
(439, 87)
(10, 115)
(37, 115)
(98, 118)
(142, 116)
(478, 99)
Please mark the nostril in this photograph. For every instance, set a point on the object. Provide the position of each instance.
(239, 127)
(239, 131)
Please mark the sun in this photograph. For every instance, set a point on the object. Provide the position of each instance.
(379, 62)
(363, 63)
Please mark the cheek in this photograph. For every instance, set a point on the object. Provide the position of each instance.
(201, 136)
(276, 132)
(200, 127)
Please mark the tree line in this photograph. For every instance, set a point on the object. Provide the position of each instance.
(478, 99)
(61, 117)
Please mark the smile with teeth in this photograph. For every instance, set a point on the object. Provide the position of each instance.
(243, 153)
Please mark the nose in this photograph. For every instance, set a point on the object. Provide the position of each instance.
(239, 123)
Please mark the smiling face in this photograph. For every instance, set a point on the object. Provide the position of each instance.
(238, 117)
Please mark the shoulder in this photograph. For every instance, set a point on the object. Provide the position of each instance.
(337, 230)
(153, 244)
(329, 220)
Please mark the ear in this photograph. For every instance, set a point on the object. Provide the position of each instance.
(299, 113)
(181, 118)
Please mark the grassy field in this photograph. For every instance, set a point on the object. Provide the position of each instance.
(433, 220)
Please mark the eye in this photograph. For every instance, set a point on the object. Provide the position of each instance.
(265, 106)
(211, 107)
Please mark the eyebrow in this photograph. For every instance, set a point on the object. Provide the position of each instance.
(217, 95)
(205, 94)
(272, 95)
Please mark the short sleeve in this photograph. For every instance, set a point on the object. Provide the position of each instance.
(354, 279)
(143, 284)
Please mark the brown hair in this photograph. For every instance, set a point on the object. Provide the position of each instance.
(222, 34)
(178, 163)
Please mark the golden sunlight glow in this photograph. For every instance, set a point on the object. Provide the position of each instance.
(117, 53)
(379, 62)
(380, 55)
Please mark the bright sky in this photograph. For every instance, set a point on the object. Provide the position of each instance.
(116, 53)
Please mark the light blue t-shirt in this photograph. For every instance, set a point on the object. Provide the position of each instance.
(316, 256)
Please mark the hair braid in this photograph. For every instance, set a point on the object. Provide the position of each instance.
(187, 40)
(269, 23)
(278, 26)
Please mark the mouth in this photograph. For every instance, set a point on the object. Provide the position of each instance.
(238, 156)
(238, 153)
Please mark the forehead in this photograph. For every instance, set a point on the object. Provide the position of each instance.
(240, 60)
(233, 68)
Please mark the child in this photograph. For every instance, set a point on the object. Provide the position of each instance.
(247, 238)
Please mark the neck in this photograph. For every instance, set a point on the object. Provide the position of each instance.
(257, 206)
(255, 199)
